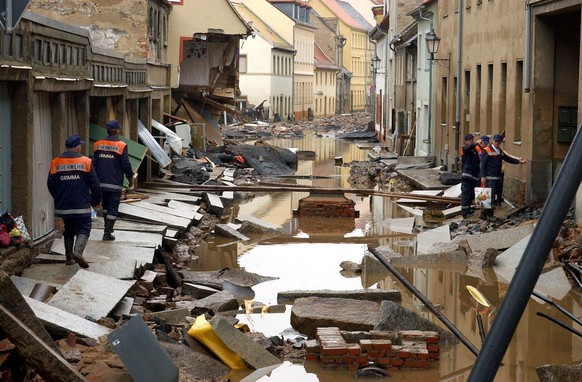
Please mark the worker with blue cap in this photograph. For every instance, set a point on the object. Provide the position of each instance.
(111, 159)
(74, 185)
(470, 152)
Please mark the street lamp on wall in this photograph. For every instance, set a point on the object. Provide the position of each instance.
(432, 45)
(375, 64)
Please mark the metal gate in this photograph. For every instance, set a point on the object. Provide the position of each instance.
(42, 202)
(5, 150)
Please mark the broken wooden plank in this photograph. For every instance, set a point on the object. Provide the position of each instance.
(38, 353)
(89, 294)
(100, 251)
(147, 214)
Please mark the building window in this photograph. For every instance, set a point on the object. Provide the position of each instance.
(518, 101)
(242, 63)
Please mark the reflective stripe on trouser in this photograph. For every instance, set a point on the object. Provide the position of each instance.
(110, 202)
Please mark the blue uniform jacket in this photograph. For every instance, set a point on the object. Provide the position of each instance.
(491, 162)
(73, 183)
(111, 162)
(470, 161)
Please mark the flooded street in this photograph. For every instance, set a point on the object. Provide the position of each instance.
(308, 254)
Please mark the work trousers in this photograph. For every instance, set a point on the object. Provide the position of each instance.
(468, 193)
(110, 203)
(77, 226)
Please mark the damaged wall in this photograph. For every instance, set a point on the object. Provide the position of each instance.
(112, 24)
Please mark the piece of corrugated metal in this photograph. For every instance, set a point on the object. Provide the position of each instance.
(157, 151)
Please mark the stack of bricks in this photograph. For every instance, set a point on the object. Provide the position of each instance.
(330, 348)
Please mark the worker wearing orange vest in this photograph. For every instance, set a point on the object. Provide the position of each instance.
(74, 185)
(111, 160)
(470, 152)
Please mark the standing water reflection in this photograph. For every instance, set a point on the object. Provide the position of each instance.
(307, 257)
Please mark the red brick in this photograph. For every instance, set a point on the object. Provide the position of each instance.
(408, 362)
(353, 367)
(433, 356)
(403, 354)
(331, 350)
(384, 361)
(422, 354)
(366, 345)
(362, 359)
(348, 360)
(373, 354)
(339, 360)
(382, 344)
(354, 349)
(420, 364)
(397, 362)
(311, 357)
(432, 339)
(432, 348)
(382, 353)
(311, 346)
(327, 360)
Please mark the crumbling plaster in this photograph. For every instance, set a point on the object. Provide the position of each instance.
(113, 24)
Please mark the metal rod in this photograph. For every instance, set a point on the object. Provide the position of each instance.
(425, 301)
(480, 326)
(571, 273)
(560, 308)
(530, 266)
(560, 323)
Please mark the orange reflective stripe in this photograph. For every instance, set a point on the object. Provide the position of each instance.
(113, 146)
(70, 164)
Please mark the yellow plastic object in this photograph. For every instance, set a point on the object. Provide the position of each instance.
(203, 332)
(477, 295)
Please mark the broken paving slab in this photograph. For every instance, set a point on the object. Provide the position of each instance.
(131, 225)
(425, 240)
(425, 179)
(248, 350)
(65, 322)
(453, 191)
(123, 307)
(413, 210)
(52, 274)
(375, 295)
(89, 294)
(176, 204)
(183, 213)
(214, 203)
(26, 285)
(215, 279)
(197, 290)
(100, 251)
(173, 316)
(227, 230)
(138, 239)
(553, 283)
(222, 301)
(128, 209)
(404, 225)
(260, 223)
(499, 239)
(311, 313)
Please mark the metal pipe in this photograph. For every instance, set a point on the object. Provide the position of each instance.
(458, 95)
(527, 58)
(560, 308)
(560, 323)
(9, 21)
(531, 265)
(425, 301)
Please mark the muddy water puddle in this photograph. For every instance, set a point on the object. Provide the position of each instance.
(307, 257)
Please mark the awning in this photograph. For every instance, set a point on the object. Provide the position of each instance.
(136, 151)
(157, 151)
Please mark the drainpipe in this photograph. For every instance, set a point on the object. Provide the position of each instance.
(527, 63)
(9, 26)
(459, 79)
(430, 63)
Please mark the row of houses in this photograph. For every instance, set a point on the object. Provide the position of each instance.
(507, 67)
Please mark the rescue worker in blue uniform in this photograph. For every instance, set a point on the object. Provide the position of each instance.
(492, 159)
(74, 185)
(470, 153)
(111, 160)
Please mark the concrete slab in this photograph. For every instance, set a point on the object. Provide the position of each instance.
(553, 283)
(500, 239)
(174, 316)
(90, 294)
(183, 213)
(130, 225)
(404, 225)
(415, 162)
(58, 318)
(420, 192)
(139, 239)
(183, 206)
(453, 191)
(426, 179)
(413, 210)
(227, 231)
(26, 285)
(134, 211)
(58, 274)
(101, 251)
(187, 196)
(451, 212)
(425, 240)
(214, 203)
(259, 222)
(250, 351)
(123, 307)
(120, 269)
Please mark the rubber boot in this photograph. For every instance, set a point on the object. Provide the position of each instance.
(491, 215)
(69, 243)
(483, 215)
(80, 245)
(107, 233)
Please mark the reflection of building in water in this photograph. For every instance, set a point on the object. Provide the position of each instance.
(325, 228)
